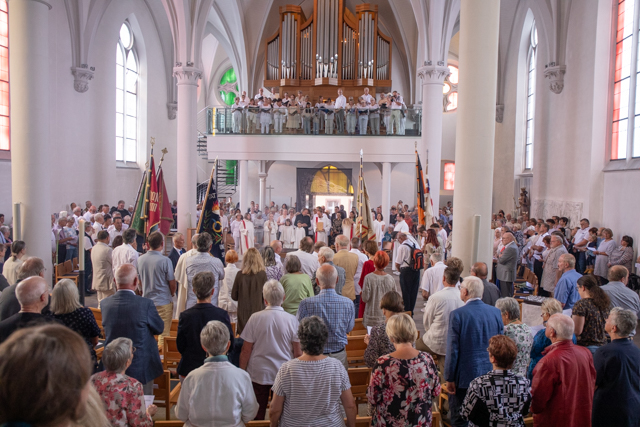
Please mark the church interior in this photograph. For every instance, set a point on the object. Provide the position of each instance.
(514, 110)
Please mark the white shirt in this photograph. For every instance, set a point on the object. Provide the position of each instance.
(436, 318)
(341, 102)
(443, 235)
(362, 258)
(367, 97)
(97, 227)
(124, 254)
(87, 216)
(113, 233)
(403, 255)
(217, 394)
(582, 234)
(308, 262)
(538, 254)
(272, 332)
(401, 227)
(432, 278)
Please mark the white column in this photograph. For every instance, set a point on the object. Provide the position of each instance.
(432, 81)
(30, 149)
(479, 23)
(263, 190)
(187, 155)
(243, 184)
(386, 191)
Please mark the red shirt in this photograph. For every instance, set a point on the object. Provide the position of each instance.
(563, 386)
(367, 268)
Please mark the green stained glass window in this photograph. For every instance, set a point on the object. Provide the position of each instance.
(228, 87)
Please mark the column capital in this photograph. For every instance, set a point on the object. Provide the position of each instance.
(44, 3)
(188, 75)
(555, 74)
(433, 74)
(172, 110)
(81, 77)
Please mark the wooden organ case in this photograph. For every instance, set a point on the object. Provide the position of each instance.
(333, 48)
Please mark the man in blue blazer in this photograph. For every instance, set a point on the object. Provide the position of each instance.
(128, 315)
(470, 329)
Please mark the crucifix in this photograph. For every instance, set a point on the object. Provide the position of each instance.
(270, 188)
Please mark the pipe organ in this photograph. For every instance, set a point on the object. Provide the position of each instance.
(333, 47)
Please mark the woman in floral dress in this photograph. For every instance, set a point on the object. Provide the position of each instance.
(518, 332)
(405, 382)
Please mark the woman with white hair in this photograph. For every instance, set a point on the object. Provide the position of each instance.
(217, 393)
(517, 331)
(122, 395)
(270, 339)
(66, 307)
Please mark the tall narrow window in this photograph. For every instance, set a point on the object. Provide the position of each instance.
(126, 96)
(449, 176)
(450, 90)
(4, 77)
(531, 97)
(622, 80)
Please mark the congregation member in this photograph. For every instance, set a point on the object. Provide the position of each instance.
(623, 254)
(411, 374)
(549, 307)
(506, 265)
(590, 313)
(32, 294)
(122, 396)
(518, 332)
(124, 309)
(370, 250)
(101, 260)
(312, 389)
(66, 308)
(126, 253)
(604, 251)
(356, 247)
(325, 256)
(618, 292)
(177, 250)
(11, 265)
(270, 339)
(225, 301)
(491, 293)
(470, 328)
(437, 313)
(500, 397)
(9, 304)
(617, 366)
(580, 241)
(308, 261)
(550, 269)
(116, 229)
(537, 249)
(432, 278)
(566, 290)
(349, 261)
(247, 287)
(217, 393)
(180, 274)
(336, 311)
(376, 285)
(194, 319)
(377, 340)
(409, 277)
(399, 228)
(203, 261)
(34, 390)
(271, 265)
(157, 280)
(297, 285)
(564, 379)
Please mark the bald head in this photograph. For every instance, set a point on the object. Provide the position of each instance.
(276, 245)
(32, 294)
(327, 276)
(479, 270)
(32, 266)
(126, 277)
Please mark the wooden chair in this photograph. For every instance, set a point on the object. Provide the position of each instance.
(97, 313)
(355, 351)
(436, 418)
(258, 423)
(443, 396)
(172, 423)
(362, 421)
(170, 353)
(233, 328)
(528, 421)
(163, 396)
(173, 332)
(75, 265)
(358, 329)
(359, 379)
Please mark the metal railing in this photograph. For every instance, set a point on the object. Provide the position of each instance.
(314, 121)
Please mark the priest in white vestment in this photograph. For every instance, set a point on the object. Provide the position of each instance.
(270, 230)
(246, 236)
(321, 224)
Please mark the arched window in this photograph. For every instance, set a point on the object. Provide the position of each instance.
(126, 96)
(531, 97)
(450, 90)
(228, 87)
(625, 94)
(4, 77)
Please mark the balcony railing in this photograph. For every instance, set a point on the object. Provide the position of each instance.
(247, 121)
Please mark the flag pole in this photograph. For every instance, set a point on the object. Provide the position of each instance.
(206, 196)
(360, 194)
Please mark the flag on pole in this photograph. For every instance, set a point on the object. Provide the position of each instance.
(366, 231)
(425, 216)
(137, 222)
(152, 199)
(166, 217)
(210, 217)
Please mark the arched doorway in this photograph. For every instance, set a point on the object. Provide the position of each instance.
(327, 186)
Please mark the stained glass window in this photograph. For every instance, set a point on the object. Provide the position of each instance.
(449, 176)
(126, 96)
(531, 97)
(4, 77)
(228, 87)
(450, 90)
